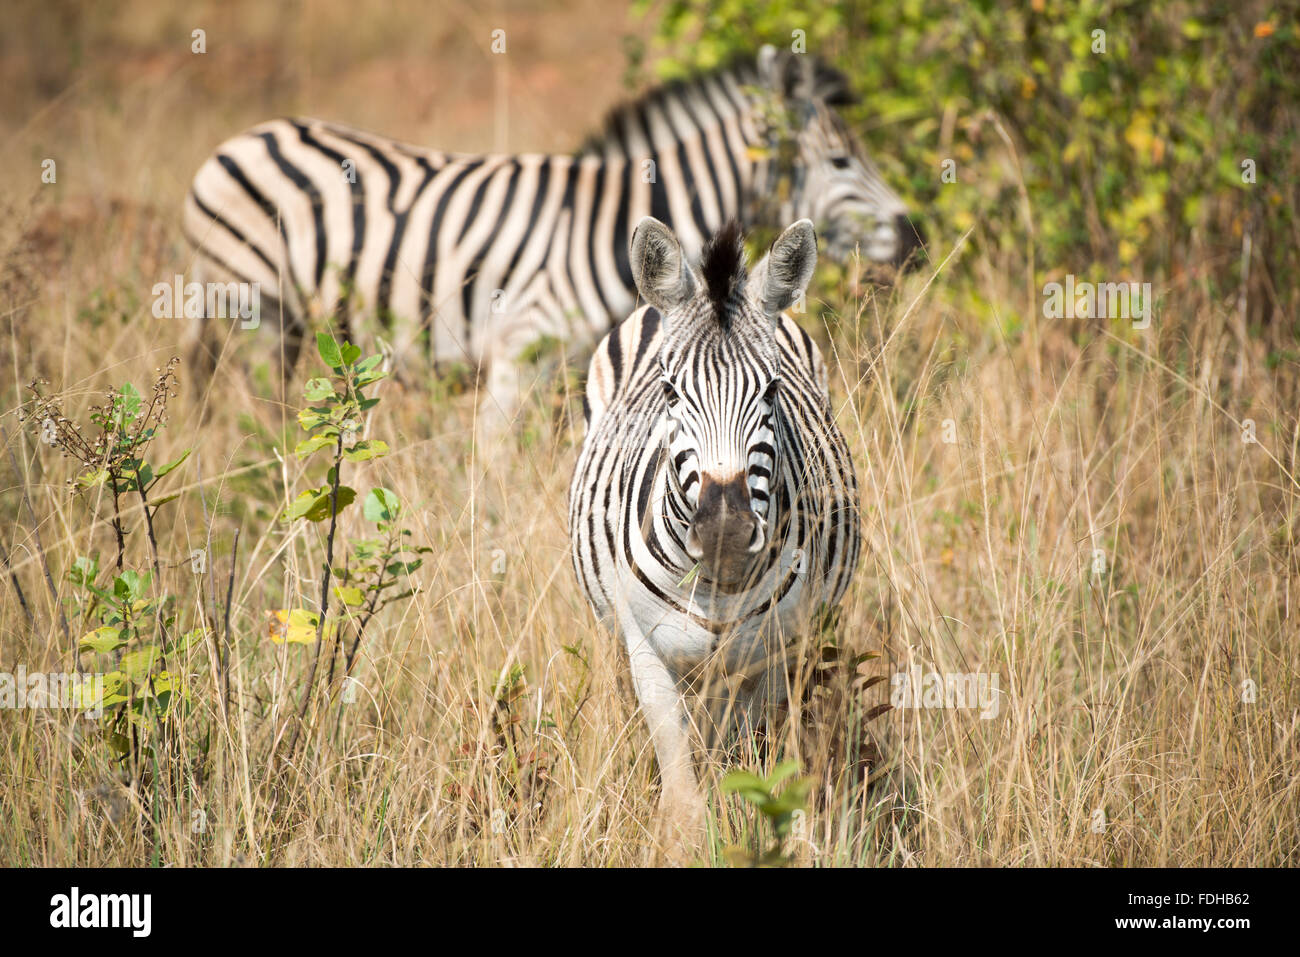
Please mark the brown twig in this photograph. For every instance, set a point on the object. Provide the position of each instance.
(13, 577)
(40, 549)
(324, 600)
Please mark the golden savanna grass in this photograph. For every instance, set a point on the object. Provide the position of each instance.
(1098, 534)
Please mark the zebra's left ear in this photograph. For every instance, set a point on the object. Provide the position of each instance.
(784, 273)
(659, 266)
(790, 75)
(767, 57)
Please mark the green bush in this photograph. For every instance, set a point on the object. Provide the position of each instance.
(1129, 145)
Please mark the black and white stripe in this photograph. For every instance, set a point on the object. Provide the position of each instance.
(483, 256)
(714, 505)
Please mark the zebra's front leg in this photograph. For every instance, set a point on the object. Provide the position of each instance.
(520, 358)
(502, 394)
(756, 707)
(498, 408)
(660, 697)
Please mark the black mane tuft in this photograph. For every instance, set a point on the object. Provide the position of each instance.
(723, 266)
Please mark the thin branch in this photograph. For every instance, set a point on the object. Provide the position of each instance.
(225, 641)
(13, 577)
(324, 598)
(40, 549)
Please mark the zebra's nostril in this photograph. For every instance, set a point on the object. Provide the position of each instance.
(724, 529)
(693, 546)
(911, 242)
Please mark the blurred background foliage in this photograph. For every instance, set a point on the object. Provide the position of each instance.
(1112, 156)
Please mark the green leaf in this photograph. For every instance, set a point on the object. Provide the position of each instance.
(128, 403)
(90, 479)
(349, 595)
(136, 665)
(780, 773)
(130, 585)
(164, 683)
(329, 350)
(306, 502)
(381, 505)
(368, 371)
(314, 504)
(84, 570)
(748, 785)
(369, 449)
(90, 693)
(314, 444)
(171, 465)
(297, 626)
(351, 353)
(102, 640)
(317, 390)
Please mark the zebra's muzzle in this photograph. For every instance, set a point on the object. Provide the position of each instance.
(895, 242)
(725, 534)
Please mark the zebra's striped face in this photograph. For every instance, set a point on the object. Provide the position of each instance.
(843, 192)
(720, 395)
(720, 376)
(821, 170)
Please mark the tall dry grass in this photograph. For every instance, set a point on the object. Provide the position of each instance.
(492, 726)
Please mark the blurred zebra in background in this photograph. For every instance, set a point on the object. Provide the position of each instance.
(484, 257)
(714, 507)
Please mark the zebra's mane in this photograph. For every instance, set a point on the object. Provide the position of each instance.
(723, 266)
(828, 83)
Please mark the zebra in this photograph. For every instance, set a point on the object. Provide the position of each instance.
(713, 509)
(485, 258)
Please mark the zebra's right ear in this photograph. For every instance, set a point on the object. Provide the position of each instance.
(659, 266)
(784, 273)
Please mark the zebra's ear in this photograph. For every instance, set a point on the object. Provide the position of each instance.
(767, 65)
(659, 266)
(784, 273)
(790, 75)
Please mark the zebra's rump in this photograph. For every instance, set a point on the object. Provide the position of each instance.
(341, 221)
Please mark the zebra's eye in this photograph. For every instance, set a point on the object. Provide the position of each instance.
(769, 394)
(840, 162)
(670, 391)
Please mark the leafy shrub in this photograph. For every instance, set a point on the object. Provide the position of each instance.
(1096, 137)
